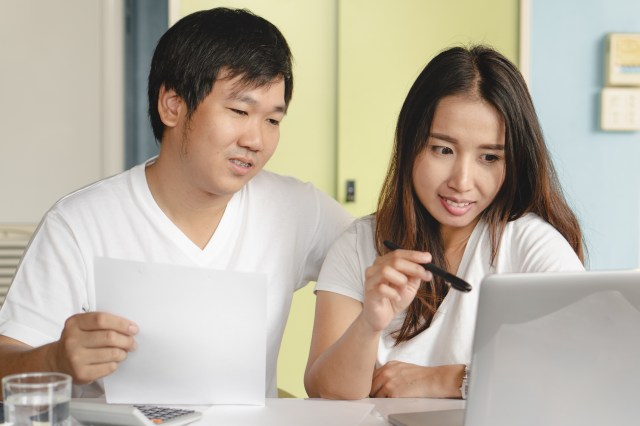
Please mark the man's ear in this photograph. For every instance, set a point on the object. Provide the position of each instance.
(170, 106)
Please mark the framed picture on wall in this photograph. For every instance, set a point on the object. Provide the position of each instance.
(623, 59)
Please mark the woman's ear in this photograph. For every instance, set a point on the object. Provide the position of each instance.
(170, 106)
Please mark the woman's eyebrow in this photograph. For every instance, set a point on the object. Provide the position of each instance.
(494, 147)
(443, 137)
(447, 138)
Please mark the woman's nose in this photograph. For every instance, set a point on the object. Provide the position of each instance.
(461, 179)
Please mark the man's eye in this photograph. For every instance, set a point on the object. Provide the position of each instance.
(238, 111)
(273, 121)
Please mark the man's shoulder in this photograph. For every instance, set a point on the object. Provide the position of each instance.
(266, 177)
(287, 196)
(273, 184)
(104, 191)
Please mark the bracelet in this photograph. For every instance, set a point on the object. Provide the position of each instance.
(464, 387)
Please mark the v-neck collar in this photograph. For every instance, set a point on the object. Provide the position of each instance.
(219, 248)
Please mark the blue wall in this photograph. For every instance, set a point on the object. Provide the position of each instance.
(600, 171)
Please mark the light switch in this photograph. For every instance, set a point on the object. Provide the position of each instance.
(620, 108)
(351, 191)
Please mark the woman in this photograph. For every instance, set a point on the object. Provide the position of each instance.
(471, 188)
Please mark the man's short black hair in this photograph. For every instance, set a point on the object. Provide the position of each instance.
(191, 55)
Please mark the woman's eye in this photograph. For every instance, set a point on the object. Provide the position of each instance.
(490, 158)
(443, 150)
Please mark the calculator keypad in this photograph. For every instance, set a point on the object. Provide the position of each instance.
(160, 415)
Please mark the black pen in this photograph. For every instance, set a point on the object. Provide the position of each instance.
(456, 282)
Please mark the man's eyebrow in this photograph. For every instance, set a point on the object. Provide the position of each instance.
(247, 99)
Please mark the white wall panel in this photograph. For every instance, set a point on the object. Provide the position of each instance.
(61, 110)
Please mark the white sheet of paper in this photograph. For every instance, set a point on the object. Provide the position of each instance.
(202, 336)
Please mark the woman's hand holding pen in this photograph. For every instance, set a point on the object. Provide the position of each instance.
(391, 284)
(92, 344)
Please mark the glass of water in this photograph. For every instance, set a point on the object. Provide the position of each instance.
(32, 399)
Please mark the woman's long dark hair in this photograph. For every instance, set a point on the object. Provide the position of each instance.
(530, 183)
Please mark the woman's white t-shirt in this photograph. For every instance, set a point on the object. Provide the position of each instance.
(528, 244)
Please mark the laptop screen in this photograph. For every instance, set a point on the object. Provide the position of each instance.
(556, 349)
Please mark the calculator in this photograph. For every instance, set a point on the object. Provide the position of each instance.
(99, 413)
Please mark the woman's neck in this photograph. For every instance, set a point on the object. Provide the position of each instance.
(455, 242)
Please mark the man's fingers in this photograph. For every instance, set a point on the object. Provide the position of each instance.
(91, 372)
(109, 339)
(106, 355)
(87, 365)
(92, 321)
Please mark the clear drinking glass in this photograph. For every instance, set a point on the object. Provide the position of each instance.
(32, 399)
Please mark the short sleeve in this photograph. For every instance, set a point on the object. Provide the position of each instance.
(49, 286)
(331, 221)
(344, 267)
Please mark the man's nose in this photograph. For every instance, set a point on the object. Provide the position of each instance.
(252, 136)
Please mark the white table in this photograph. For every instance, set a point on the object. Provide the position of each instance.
(319, 412)
(312, 412)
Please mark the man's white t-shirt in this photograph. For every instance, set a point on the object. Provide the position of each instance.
(528, 244)
(274, 225)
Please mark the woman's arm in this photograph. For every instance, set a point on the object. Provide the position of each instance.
(398, 379)
(343, 350)
(346, 332)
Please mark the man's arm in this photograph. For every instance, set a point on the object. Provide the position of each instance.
(90, 347)
(17, 357)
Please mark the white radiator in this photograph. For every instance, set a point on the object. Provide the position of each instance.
(13, 241)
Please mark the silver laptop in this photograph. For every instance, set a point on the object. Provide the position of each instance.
(551, 349)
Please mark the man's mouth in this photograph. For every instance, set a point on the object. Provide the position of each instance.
(241, 163)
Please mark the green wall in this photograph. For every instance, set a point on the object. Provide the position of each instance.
(383, 47)
(354, 61)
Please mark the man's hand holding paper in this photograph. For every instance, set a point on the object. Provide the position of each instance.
(92, 344)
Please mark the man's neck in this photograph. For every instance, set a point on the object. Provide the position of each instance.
(196, 214)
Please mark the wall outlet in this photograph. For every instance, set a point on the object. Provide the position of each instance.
(620, 109)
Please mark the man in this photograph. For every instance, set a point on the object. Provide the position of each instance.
(219, 86)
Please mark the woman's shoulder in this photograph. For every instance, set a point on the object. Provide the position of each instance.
(359, 234)
(530, 224)
(527, 228)
(536, 245)
(364, 225)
